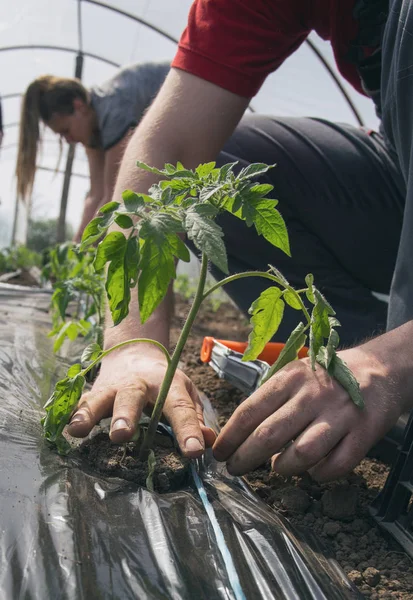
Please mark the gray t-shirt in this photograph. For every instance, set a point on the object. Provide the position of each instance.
(121, 102)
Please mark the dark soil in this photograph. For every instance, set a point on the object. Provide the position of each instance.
(171, 470)
(337, 512)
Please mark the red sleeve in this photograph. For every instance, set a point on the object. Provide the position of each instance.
(237, 43)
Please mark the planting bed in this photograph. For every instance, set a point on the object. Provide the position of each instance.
(337, 512)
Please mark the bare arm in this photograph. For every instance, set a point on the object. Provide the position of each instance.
(96, 162)
(189, 121)
(103, 168)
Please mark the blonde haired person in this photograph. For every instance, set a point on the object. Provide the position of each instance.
(101, 118)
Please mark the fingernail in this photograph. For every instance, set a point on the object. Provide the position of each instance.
(193, 445)
(119, 424)
(78, 418)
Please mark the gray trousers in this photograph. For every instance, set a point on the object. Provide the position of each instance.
(397, 127)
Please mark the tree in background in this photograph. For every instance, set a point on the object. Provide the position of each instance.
(42, 234)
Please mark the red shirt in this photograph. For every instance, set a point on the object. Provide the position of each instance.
(237, 43)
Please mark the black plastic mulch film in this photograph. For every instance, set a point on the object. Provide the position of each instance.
(66, 533)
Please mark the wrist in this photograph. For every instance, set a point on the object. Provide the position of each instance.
(392, 353)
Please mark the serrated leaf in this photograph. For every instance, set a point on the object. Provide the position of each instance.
(70, 330)
(157, 270)
(208, 191)
(226, 170)
(59, 407)
(320, 325)
(178, 248)
(270, 224)
(291, 349)
(326, 353)
(124, 221)
(95, 229)
(154, 170)
(254, 170)
(91, 352)
(310, 288)
(133, 202)
(113, 244)
(121, 275)
(109, 207)
(267, 313)
(292, 300)
(207, 237)
(261, 189)
(74, 370)
(204, 170)
(341, 372)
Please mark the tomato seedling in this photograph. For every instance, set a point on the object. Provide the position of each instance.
(187, 202)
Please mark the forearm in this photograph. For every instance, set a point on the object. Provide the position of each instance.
(394, 351)
(189, 122)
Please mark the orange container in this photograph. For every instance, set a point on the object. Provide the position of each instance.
(270, 353)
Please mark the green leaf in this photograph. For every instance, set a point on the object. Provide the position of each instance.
(109, 207)
(133, 202)
(261, 189)
(74, 370)
(253, 170)
(70, 330)
(60, 406)
(320, 325)
(267, 313)
(204, 170)
(326, 353)
(95, 229)
(124, 221)
(146, 167)
(207, 237)
(309, 279)
(113, 244)
(270, 224)
(291, 349)
(226, 170)
(340, 371)
(178, 248)
(292, 300)
(122, 274)
(157, 270)
(91, 352)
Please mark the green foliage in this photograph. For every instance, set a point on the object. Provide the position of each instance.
(42, 234)
(184, 202)
(18, 257)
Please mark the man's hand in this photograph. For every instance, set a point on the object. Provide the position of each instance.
(128, 383)
(305, 420)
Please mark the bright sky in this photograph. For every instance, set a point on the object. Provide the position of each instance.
(301, 87)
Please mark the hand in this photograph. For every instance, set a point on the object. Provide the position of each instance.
(305, 420)
(128, 382)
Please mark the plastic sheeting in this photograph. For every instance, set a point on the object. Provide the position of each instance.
(70, 534)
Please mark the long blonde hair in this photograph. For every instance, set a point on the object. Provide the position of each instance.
(44, 96)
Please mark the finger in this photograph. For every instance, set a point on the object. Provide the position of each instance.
(347, 455)
(253, 411)
(185, 418)
(127, 410)
(312, 446)
(270, 436)
(92, 407)
(197, 398)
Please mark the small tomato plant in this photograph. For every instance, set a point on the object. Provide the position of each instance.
(187, 202)
(76, 284)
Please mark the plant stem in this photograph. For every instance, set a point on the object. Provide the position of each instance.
(266, 275)
(173, 365)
